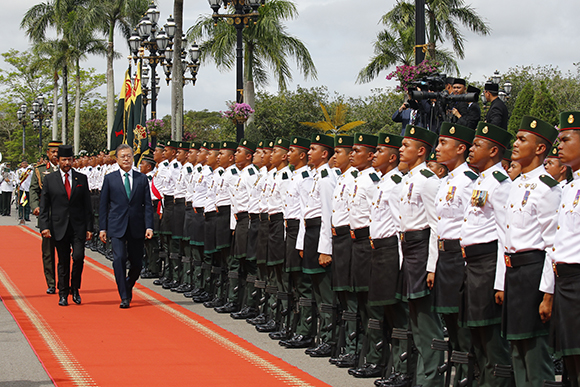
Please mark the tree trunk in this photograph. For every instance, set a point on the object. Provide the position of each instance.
(250, 98)
(77, 121)
(110, 85)
(64, 103)
(177, 75)
(55, 110)
(249, 91)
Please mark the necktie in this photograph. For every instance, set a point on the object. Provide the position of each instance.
(127, 185)
(67, 185)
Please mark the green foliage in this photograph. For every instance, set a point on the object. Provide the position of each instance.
(200, 126)
(522, 107)
(93, 131)
(544, 106)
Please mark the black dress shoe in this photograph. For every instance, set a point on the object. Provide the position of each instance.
(216, 302)
(260, 319)
(298, 341)
(76, 297)
(203, 297)
(347, 360)
(245, 313)
(125, 304)
(160, 281)
(63, 301)
(270, 326)
(229, 307)
(396, 379)
(170, 285)
(283, 334)
(323, 350)
(51, 290)
(148, 274)
(368, 370)
(183, 288)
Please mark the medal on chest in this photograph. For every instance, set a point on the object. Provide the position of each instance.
(410, 191)
(379, 198)
(526, 197)
(575, 202)
(478, 198)
(450, 193)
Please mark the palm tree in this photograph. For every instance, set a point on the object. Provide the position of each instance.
(337, 123)
(443, 18)
(121, 15)
(395, 46)
(267, 46)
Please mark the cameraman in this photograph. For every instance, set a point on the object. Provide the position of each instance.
(406, 116)
(498, 112)
(465, 113)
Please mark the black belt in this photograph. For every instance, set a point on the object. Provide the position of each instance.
(264, 216)
(413, 236)
(524, 258)
(198, 210)
(340, 230)
(254, 216)
(384, 242)
(313, 222)
(452, 245)
(276, 217)
(210, 214)
(168, 197)
(179, 200)
(241, 215)
(225, 209)
(188, 204)
(566, 269)
(359, 234)
(292, 223)
(479, 249)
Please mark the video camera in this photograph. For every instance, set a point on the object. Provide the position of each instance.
(435, 84)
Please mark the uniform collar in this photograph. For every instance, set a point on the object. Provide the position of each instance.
(417, 169)
(489, 171)
(391, 173)
(535, 173)
(576, 175)
(458, 171)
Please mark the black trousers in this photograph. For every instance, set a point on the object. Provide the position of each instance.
(125, 248)
(68, 279)
(48, 261)
(5, 198)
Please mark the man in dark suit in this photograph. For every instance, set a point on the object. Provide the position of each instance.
(465, 113)
(67, 217)
(498, 112)
(126, 215)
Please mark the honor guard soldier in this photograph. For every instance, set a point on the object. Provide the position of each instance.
(531, 222)
(167, 175)
(188, 280)
(452, 200)
(385, 262)
(150, 263)
(315, 243)
(365, 185)
(419, 246)
(157, 200)
(565, 314)
(482, 241)
(48, 249)
(346, 355)
(222, 181)
(559, 171)
(297, 192)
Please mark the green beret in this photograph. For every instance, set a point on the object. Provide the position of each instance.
(539, 128)
(343, 141)
(229, 145)
(432, 157)
(172, 144)
(390, 140)
(457, 132)
(105, 150)
(260, 144)
(507, 156)
(268, 144)
(300, 142)
(195, 145)
(247, 144)
(367, 140)
(148, 158)
(205, 145)
(421, 134)
(493, 133)
(183, 145)
(214, 145)
(158, 145)
(554, 152)
(282, 143)
(322, 139)
(569, 121)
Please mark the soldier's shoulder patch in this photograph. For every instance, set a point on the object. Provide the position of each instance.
(285, 176)
(396, 178)
(251, 171)
(499, 176)
(337, 172)
(305, 174)
(176, 165)
(354, 173)
(199, 168)
(472, 175)
(324, 173)
(427, 173)
(234, 171)
(221, 172)
(166, 163)
(149, 177)
(374, 177)
(189, 170)
(548, 180)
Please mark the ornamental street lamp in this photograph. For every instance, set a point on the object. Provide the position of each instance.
(245, 11)
(39, 110)
(21, 113)
(503, 93)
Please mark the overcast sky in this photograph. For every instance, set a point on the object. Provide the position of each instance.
(339, 35)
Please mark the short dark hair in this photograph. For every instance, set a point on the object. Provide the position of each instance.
(123, 146)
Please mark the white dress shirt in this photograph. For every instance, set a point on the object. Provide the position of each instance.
(341, 197)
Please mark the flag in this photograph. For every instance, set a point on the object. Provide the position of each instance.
(118, 135)
(23, 199)
(140, 140)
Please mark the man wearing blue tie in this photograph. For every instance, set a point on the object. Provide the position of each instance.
(127, 219)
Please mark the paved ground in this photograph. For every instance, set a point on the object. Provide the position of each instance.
(19, 366)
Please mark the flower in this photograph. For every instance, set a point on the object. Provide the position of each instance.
(238, 111)
(154, 125)
(406, 74)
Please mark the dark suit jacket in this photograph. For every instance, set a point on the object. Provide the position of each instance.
(117, 211)
(497, 114)
(57, 210)
(470, 115)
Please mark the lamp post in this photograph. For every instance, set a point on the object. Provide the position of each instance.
(503, 93)
(37, 114)
(245, 11)
(21, 113)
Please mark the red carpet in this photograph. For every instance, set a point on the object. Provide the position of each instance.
(154, 343)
